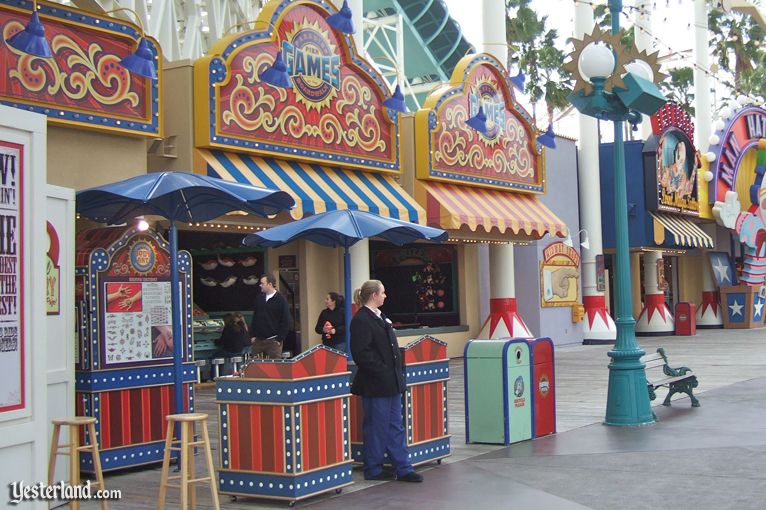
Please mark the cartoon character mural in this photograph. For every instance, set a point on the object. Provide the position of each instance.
(749, 225)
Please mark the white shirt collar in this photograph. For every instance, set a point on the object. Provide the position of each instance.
(269, 296)
(376, 311)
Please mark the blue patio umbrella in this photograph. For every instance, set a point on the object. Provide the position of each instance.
(345, 228)
(177, 196)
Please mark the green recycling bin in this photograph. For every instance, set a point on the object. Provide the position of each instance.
(498, 404)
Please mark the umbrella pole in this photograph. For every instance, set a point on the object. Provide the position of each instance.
(176, 318)
(349, 297)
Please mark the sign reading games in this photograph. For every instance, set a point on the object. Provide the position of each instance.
(332, 114)
(506, 157)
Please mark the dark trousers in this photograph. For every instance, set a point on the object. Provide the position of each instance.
(270, 348)
(383, 431)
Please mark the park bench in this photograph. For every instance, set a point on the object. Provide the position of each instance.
(676, 380)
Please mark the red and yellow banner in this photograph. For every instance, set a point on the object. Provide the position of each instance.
(83, 83)
(507, 156)
(333, 113)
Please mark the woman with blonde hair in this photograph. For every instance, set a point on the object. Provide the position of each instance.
(379, 381)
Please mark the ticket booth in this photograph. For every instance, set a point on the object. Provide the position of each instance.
(124, 358)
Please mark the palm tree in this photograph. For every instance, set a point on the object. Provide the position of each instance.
(736, 41)
(680, 88)
(537, 56)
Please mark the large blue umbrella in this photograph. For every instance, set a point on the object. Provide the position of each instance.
(177, 196)
(345, 228)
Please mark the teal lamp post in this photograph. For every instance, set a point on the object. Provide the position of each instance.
(616, 83)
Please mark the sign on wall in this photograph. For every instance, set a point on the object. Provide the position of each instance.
(83, 83)
(332, 113)
(11, 277)
(676, 162)
(52, 272)
(559, 275)
(734, 166)
(506, 157)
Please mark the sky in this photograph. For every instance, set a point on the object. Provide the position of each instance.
(671, 29)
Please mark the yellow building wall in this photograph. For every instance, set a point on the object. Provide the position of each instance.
(82, 159)
(320, 272)
(175, 151)
(690, 269)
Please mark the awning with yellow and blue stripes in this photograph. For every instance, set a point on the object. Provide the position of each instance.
(317, 188)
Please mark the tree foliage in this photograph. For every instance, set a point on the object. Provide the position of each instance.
(736, 41)
(680, 88)
(537, 56)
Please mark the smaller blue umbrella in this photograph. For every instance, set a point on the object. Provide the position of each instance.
(177, 196)
(345, 228)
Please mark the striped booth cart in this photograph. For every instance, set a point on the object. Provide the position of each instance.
(424, 404)
(284, 427)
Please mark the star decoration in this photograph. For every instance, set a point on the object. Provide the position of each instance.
(723, 272)
(736, 308)
(613, 42)
(758, 309)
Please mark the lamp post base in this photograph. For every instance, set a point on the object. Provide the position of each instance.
(627, 403)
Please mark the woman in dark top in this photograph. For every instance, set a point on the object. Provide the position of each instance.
(332, 322)
(235, 338)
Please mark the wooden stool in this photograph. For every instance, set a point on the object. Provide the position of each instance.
(73, 450)
(186, 460)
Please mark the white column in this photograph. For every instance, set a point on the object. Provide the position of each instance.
(502, 283)
(708, 311)
(493, 28)
(357, 16)
(644, 42)
(360, 264)
(598, 326)
(655, 318)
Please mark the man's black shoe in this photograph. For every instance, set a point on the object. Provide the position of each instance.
(411, 477)
(383, 475)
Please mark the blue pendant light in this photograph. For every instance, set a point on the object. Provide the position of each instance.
(341, 20)
(396, 101)
(276, 75)
(141, 61)
(548, 139)
(479, 121)
(32, 39)
(518, 80)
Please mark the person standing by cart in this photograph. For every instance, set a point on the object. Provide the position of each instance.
(271, 320)
(379, 381)
(331, 323)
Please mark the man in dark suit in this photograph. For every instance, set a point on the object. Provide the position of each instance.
(380, 382)
(271, 320)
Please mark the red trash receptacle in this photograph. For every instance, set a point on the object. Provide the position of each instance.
(686, 322)
(543, 387)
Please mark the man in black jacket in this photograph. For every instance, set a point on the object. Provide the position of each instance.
(271, 320)
(380, 382)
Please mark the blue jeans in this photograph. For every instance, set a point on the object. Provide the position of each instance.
(383, 431)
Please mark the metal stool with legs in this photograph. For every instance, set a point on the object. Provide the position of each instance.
(199, 364)
(73, 449)
(186, 460)
(235, 361)
(215, 367)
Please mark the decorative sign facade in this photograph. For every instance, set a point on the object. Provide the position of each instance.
(83, 84)
(733, 169)
(11, 277)
(506, 157)
(333, 113)
(676, 162)
(559, 272)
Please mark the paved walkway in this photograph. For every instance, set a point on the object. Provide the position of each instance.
(711, 457)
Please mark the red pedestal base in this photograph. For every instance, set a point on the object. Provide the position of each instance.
(598, 327)
(504, 321)
(655, 319)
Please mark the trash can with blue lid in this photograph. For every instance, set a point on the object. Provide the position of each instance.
(498, 407)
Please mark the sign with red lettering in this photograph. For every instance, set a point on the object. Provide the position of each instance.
(559, 275)
(742, 133)
(11, 274)
(507, 156)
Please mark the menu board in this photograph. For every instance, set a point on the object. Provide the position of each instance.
(137, 321)
(11, 278)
